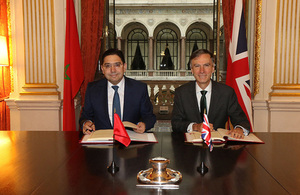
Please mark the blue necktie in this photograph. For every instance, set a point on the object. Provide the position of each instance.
(116, 103)
(203, 103)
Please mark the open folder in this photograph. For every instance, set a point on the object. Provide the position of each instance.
(105, 136)
(220, 136)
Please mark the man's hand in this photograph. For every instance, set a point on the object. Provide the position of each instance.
(141, 127)
(88, 127)
(198, 127)
(237, 133)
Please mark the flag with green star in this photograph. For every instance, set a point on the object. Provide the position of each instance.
(73, 71)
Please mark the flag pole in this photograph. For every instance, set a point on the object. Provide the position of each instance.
(113, 168)
(202, 168)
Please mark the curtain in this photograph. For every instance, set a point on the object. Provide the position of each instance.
(5, 84)
(92, 12)
(228, 10)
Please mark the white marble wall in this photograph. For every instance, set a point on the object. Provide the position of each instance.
(277, 105)
(38, 34)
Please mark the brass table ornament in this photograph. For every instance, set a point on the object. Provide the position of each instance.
(159, 174)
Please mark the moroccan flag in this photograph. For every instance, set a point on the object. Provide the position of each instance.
(120, 133)
(73, 75)
(206, 134)
(238, 66)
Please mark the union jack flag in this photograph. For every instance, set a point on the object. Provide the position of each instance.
(238, 76)
(205, 134)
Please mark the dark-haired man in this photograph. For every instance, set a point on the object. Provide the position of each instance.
(134, 101)
(220, 100)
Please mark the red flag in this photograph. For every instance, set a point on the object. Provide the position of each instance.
(206, 134)
(73, 75)
(238, 76)
(120, 133)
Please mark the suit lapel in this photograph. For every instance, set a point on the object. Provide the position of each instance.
(193, 100)
(103, 99)
(213, 101)
(127, 94)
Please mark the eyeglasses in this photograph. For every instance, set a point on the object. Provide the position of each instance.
(116, 65)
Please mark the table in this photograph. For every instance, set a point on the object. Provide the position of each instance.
(56, 163)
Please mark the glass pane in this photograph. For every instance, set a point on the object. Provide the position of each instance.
(176, 25)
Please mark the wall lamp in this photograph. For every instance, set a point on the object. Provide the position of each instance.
(3, 51)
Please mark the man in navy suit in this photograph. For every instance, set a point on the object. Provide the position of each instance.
(221, 101)
(134, 100)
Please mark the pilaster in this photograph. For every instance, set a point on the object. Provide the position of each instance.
(35, 102)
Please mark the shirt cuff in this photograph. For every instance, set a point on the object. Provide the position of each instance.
(190, 127)
(245, 131)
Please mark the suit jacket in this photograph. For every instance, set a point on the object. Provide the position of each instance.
(223, 104)
(137, 104)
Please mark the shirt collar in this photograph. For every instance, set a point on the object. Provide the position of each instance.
(208, 88)
(120, 84)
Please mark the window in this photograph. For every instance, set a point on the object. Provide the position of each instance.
(166, 50)
(137, 50)
(195, 39)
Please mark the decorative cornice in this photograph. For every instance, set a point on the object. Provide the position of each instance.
(285, 90)
(40, 89)
(286, 87)
(163, 11)
(40, 85)
(40, 93)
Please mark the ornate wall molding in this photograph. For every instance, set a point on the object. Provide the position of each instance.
(39, 36)
(258, 13)
(287, 50)
(163, 11)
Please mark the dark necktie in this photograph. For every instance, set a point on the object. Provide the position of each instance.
(116, 103)
(203, 103)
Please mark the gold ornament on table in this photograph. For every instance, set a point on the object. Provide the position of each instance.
(159, 173)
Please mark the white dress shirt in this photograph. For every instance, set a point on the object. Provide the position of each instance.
(110, 97)
(208, 98)
(198, 94)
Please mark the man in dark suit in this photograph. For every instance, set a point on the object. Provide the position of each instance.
(134, 100)
(221, 101)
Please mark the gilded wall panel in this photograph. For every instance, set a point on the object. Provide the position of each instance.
(287, 49)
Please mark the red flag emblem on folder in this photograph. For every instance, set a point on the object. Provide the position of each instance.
(120, 133)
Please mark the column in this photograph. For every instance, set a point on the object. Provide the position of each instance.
(284, 99)
(40, 63)
(182, 64)
(151, 65)
(119, 43)
(35, 102)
